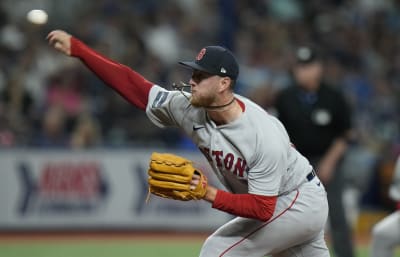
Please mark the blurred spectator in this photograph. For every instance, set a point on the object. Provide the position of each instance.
(16, 99)
(52, 132)
(15, 113)
(64, 89)
(318, 120)
(86, 133)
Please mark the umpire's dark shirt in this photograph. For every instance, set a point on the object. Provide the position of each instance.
(313, 120)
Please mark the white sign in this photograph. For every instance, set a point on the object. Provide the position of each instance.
(93, 189)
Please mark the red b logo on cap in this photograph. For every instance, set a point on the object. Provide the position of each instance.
(201, 54)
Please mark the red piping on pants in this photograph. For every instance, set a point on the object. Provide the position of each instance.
(263, 225)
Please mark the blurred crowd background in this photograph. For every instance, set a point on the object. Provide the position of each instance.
(50, 101)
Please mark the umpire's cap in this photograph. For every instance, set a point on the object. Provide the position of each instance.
(307, 54)
(215, 60)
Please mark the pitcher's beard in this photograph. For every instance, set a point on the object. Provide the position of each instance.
(207, 104)
(201, 102)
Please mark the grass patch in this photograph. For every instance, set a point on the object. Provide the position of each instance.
(114, 248)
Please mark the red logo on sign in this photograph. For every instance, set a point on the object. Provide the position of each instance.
(201, 54)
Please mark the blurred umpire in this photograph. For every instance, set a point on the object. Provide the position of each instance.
(318, 120)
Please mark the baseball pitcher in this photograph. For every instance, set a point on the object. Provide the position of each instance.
(280, 204)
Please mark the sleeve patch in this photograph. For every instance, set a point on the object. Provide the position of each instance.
(160, 99)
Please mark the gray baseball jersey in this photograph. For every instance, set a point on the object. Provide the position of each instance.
(252, 154)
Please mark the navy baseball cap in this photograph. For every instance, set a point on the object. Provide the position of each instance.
(215, 60)
(306, 54)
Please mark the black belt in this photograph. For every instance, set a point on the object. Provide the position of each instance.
(311, 175)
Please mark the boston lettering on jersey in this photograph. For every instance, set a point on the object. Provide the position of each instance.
(228, 161)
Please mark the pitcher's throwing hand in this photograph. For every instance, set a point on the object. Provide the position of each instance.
(61, 41)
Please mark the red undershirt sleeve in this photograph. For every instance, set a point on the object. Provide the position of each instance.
(246, 205)
(128, 83)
